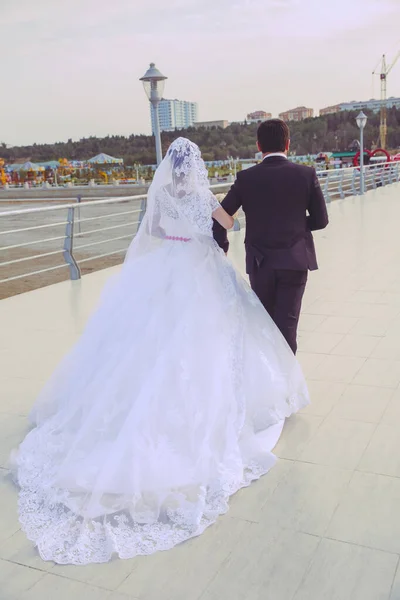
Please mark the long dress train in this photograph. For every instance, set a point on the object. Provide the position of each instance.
(169, 403)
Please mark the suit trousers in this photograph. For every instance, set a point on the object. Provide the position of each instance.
(281, 293)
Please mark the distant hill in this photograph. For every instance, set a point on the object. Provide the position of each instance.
(328, 133)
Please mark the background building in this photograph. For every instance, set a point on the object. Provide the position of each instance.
(175, 114)
(211, 124)
(297, 114)
(257, 116)
(373, 105)
(329, 110)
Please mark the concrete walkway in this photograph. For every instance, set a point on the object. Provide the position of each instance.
(324, 523)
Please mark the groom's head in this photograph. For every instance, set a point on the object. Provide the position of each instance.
(273, 136)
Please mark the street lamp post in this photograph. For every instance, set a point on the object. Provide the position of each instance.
(153, 83)
(361, 122)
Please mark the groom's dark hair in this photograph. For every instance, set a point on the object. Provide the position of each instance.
(273, 135)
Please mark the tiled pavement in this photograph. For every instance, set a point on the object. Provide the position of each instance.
(324, 523)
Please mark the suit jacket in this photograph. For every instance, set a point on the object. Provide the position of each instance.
(283, 203)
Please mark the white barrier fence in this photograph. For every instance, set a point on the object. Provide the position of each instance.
(76, 233)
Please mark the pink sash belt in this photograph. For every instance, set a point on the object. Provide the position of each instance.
(176, 238)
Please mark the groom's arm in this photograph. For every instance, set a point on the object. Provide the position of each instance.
(318, 214)
(231, 203)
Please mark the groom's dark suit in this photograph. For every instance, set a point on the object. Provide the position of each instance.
(283, 203)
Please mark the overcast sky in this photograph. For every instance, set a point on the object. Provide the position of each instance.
(71, 69)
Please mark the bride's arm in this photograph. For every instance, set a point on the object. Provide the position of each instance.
(222, 217)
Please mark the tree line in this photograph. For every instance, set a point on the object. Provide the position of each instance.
(330, 133)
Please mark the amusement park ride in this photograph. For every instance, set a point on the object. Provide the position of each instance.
(385, 70)
(3, 176)
(61, 172)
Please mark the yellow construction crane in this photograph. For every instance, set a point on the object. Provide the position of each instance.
(385, 70)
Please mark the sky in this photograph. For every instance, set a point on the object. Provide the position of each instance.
(71, 69)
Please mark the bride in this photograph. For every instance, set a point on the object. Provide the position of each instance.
(171, 401)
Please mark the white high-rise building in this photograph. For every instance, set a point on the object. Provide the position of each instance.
(175, 114)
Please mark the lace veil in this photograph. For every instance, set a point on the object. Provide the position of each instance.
(179, 202)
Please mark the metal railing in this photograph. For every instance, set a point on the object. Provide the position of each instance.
(76, 232)
(346, 182)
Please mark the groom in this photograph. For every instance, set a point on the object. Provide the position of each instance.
(283, 204)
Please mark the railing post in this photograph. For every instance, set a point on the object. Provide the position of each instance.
(79, 199)
(382, 176)
(353, 183)
(365, 179)
(74, 270)
(388, 176)
(373, 171)
(326, 188)
(236, 225)
(143, 205)
(341, 192)
(398, 172)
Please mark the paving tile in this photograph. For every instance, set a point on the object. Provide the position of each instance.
(320, 343)
(15, 580)
(395, 595)
(53, 587)
(377, 372)
(356, 345)
(310, 322)
(363, 403)
(382, 311)
(342, 571)
(297, 432)
(383, 453)
(18, 394)
(13, 429)
(309, 362)
(392, 413)
(248, 502)
(306, 499)
(269, 563)
(324, 396)
(338, 443)
(373, 327)
(18, 549)
(184, 572)
(9, 523)
(390, 298)
(354, 309)
(36, 362)
(338, 294)
(326, 308)
(366, 513)
(118, 596)
(365, 297)
(338, 368)
(108, 576)
(334, 324)
(388, 347)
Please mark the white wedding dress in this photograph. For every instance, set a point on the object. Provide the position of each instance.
(170, 402)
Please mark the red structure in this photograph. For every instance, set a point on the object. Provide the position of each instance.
(356, 159)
